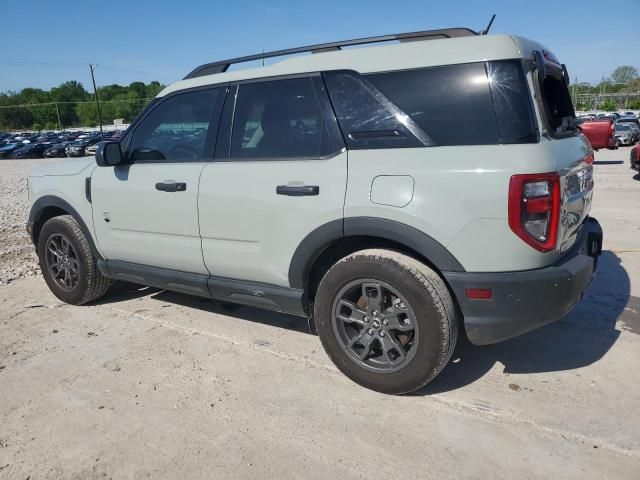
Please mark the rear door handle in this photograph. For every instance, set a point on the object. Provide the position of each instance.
(171, 186)
(298, 191)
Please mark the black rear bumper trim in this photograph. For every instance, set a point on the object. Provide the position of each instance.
(524, 300)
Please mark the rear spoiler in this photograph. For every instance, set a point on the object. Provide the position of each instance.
(548, 65)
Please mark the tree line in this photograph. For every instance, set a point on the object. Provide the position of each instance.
(71, 105)
(623, 80)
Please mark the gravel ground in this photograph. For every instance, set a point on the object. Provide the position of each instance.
(17, 255)
(149, 383)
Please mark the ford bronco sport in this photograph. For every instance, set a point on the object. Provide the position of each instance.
(392, 194)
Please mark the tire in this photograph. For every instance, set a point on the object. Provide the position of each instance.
(401, 284)
(86, 283)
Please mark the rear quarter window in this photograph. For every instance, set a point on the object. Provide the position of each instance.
(452, 104)
(484, 103)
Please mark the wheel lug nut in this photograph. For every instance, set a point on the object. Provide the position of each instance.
(385, 322)
(375, 313)
(370, 332)
(366, 319)
(382, 334)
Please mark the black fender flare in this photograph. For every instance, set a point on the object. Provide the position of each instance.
(320, 238)
(38, 207)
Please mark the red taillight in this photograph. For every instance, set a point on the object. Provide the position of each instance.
(534, 209)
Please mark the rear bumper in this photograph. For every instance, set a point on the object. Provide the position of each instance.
(524, 300)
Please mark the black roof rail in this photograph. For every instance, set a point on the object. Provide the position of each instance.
(223, 65)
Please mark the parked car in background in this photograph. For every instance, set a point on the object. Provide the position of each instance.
(635, 130)
(629, 119)
(77, 148)
(623, 133)
(7, 150)
(32, 150)
(600, 133)
(91, 149)
(57, 150)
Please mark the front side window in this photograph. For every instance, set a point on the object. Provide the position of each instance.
(279, 119)
(177, 129)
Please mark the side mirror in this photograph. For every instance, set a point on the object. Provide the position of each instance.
(108, 154)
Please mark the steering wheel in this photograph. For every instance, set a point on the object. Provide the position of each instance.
(183, 151)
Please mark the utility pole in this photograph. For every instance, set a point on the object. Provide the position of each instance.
(59, 122)
(95, 91)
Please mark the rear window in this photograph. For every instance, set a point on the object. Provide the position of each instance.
(467, 104)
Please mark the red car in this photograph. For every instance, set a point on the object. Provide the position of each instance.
(635, 157)
(600, 133)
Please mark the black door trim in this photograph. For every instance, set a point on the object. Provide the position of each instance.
(322, 237)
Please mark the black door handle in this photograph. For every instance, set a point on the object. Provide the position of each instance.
(171, 186)
(298, 191)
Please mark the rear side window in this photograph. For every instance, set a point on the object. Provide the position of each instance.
(368, 119)
(452, 104)
(177, 128)
(279, 119)
(467, 104)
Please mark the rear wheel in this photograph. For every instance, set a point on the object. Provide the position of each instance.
(67, 263)
(387, 321)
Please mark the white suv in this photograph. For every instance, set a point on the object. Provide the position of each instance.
(392, 194)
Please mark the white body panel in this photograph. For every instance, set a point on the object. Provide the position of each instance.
(65, 180)
(148, 226)
(459, 198)
(251, 233)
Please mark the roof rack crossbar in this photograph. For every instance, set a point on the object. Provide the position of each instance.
(223, 65)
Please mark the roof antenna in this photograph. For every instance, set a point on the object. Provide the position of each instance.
(486, 30)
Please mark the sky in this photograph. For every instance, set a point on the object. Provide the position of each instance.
(44, 43)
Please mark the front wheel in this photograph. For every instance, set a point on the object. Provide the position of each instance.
(386, 320)
(67, 263)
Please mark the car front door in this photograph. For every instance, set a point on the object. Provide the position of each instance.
(280, 172)
(145, 211)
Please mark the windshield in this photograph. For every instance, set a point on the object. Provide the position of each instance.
(623, 127)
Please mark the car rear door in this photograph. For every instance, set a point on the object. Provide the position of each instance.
(280, 172)
(145, 211)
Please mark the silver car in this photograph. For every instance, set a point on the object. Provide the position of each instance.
(624, 134)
